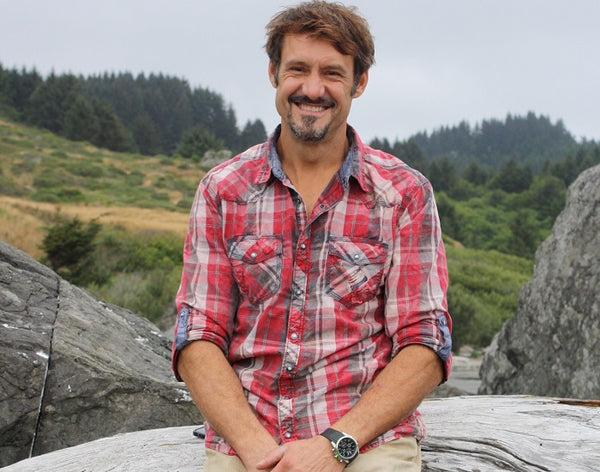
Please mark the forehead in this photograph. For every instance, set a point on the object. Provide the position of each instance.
(302, 47)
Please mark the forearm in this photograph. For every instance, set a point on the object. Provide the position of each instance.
(394, 395)
(217, 392)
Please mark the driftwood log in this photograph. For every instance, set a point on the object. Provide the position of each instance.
(511, 433)
(471, 433)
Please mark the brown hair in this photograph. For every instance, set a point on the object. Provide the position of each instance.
(340, 25)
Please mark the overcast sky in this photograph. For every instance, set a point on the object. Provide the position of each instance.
(437, 62)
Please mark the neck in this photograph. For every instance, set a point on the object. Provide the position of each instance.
(311, 157)
(311, 166)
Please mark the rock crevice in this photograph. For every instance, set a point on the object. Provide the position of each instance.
(46, 372)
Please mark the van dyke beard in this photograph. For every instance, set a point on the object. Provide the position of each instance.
(306, 130)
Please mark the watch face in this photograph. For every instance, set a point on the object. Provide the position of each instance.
(347, 448)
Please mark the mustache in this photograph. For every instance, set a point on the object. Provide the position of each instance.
(299, 99)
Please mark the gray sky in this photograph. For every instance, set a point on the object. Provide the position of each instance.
(438, 62)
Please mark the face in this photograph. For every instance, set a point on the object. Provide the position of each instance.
(315, 88)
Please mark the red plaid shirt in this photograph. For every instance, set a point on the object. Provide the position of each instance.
(309, 309)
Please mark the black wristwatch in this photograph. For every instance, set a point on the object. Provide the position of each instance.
(345, 447)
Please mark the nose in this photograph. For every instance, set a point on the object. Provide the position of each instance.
(313, 85)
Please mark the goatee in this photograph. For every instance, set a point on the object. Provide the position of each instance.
(307, 131)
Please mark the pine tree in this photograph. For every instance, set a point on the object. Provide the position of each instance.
(80, 121)
(112, 134)
(196, 142)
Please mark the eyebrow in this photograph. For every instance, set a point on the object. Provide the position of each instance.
(300, 62)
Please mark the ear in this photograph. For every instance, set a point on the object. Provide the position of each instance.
(273, 74)
(362, 84)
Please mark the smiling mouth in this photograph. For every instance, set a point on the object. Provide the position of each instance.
(311, 106)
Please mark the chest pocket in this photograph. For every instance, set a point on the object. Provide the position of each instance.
(355, 269)
(256, 263)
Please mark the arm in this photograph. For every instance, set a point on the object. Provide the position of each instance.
(217, 392)
(393, 396)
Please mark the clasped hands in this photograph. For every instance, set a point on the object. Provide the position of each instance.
(305, 455)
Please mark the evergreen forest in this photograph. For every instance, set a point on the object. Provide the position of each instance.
(119, 140)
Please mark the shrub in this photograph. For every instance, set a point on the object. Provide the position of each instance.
(135, 178)
(68, 247)
(9, 187)
(85, 169)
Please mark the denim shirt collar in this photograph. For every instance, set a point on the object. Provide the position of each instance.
(348, 168)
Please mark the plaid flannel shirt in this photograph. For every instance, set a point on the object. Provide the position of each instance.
(308, 309)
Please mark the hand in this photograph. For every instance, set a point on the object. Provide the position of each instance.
(254, 454)
(306, 455)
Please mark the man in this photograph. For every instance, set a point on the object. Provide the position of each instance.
(312, 307)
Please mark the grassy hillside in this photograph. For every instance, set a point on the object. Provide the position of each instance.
(483, 293)
(141, 204)
(42, 175)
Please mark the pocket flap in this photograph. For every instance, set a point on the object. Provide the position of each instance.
(254, 249)
(358, 252)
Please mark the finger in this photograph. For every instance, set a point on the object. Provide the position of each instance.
(271, 459)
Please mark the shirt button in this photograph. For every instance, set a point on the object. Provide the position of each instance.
(289, 367)
(288, 435)
(294, 336)
(253, 255)
(302, 246)
(298, 292)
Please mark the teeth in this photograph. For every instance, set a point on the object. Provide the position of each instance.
(312, 108)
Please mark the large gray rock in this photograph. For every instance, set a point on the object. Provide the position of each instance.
(74, 369)
(552, 344)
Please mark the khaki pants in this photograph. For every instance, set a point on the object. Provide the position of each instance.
(400, 455)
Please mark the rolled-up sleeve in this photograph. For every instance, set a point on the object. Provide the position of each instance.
(416, 306)
(206, 298)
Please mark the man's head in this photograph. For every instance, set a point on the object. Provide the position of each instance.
(335, 23)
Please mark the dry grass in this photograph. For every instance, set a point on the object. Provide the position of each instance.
(28, 153)
(23, 221)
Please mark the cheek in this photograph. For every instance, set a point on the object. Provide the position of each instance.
(281, 103)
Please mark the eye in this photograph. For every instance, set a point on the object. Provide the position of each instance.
(333, 73)
(296, 68)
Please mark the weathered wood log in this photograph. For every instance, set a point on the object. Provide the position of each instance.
(474, 434)
(165, 450)
(511, 433)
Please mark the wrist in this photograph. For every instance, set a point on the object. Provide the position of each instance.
(344, 447)
(251, 452)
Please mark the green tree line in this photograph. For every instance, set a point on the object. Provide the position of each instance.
(531, 139)
(511, 209)
(150, 115)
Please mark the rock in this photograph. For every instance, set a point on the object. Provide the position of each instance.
(551, 346)
(476, 433)
(213, 158)
(75, 369)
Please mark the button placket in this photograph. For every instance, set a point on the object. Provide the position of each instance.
(286, 418)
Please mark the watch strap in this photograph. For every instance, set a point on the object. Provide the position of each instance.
(333, 435)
